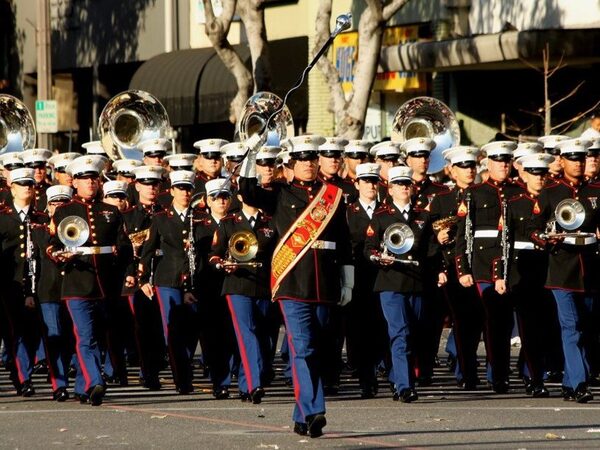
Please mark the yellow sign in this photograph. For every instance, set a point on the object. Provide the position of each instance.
(345, 51)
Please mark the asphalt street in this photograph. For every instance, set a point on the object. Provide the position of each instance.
(443, 417)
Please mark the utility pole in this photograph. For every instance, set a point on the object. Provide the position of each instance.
(44, 62)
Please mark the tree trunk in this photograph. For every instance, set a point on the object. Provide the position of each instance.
(253, 17)
(217, 29)
(350, 112)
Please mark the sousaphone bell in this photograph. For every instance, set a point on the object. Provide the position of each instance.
(260, 116)
(17, 128)
(431, 118)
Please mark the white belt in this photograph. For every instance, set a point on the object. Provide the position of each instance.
(523, 245)
(572, 240)
(486, 234)
(324, 245)
(94, 250)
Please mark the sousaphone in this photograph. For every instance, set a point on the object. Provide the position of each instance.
(17, 128)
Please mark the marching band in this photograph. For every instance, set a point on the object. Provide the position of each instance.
(337, 241)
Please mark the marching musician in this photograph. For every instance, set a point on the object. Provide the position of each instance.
(154, 152)
(266, 163)
(172, 231)
(177, 161)
(119, 321)
(525, 272)
(417, 151)
(59, 164)
(523, 149)
(56, 330)
(247, 290)
(313, 251)
(356, 152)
(477, 247)
(400, 283)
(573, 264)
(366, 339)
(18, 221)
(465, 308)
(37, 160)
(330, 166)
(148, 330)
(387, 155)
(91, 271)
(123, 169)
(10, 161)
(216, 333)
(592, 162)
(550, 142)
(208, 166)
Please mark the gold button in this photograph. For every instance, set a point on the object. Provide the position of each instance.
(21, 236)
(22, 245)
(91, 219)
(93, 227)
(22, 255)
(62, 273)
(480, 248)
(20, 227)
(184, 232)
(95, 242)
(93, 234)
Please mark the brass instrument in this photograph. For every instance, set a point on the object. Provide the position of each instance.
(398, 239)
(431, 118)
(448, 223)
(137, 240)
(569, 214)
(242, 249)
(73, 232)
(17, 128)
(31, 261)
(128, 119)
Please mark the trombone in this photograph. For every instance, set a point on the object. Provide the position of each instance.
(242, 249)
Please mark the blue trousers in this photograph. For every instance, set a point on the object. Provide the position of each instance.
(88, 318)
(174, 314)
(574, 310)
(305, 324)
(249, 322)
(57, 355)
(402, 313)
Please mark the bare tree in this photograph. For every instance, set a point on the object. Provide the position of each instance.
(545, 111)
(217, 29)
(350, 112)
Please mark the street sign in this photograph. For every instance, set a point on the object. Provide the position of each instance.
(46, 116)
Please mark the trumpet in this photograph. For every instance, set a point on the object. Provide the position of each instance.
(398, 239)
(242, 249)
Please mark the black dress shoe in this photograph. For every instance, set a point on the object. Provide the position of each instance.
(83, 398)
(27, 389)
(152, 384)
(185, 389)
(316, 423)
(221, 394)
(468, 385)
(256, 395)
(245, 397)
(97, 395)
(368, 392)
(540, 391)
(583, 394)
(500, 387)
(61, 394)
(568, 394)
(300, 428)
(554, 376)
(408, 395)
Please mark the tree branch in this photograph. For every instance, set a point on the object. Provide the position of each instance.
(570, 94)
(532, 113)
(531, 66)
(559, 66)
(392, 8)
(578, 116)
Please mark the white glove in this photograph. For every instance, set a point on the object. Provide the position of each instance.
(347, 278)
(248, 169)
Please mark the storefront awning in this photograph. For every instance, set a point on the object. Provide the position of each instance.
(195, 86)
(493, 51)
